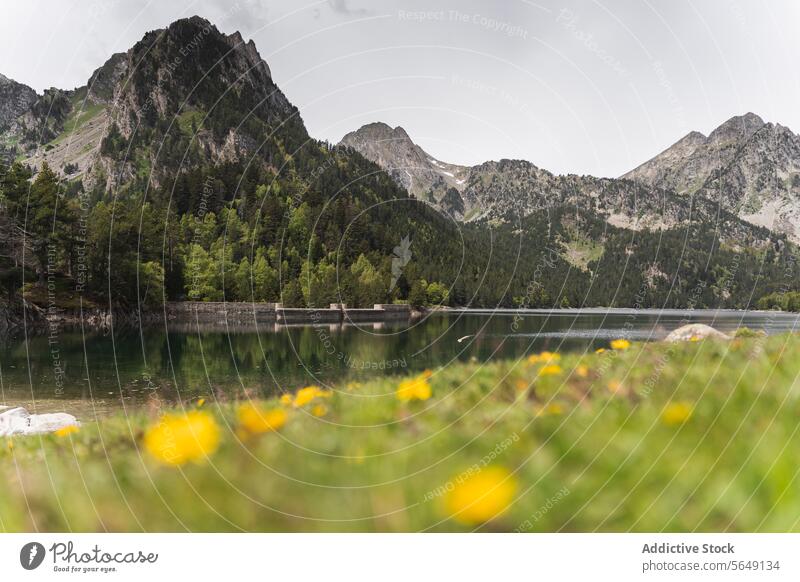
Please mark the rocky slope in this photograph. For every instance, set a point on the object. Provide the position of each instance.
(200, 95)
(407, 163)
(510, 190)
(751, 168)
(15, 99)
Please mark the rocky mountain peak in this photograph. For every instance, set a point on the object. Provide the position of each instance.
(189, 84)
(15, 99)
(407, 163)
(749, 166)
(740, 127)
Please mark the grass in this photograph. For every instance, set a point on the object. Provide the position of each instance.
(64, 296)
(190, 121)
(701, 436)
(580, 249)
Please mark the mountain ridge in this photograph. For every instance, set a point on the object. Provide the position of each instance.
(194, 175)
(749, 166)
(507, 190)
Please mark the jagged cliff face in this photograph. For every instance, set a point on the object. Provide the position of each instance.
(15, 99)
(189, 83)
(408, 164)
(751, 168)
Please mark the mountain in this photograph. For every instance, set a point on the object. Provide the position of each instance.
(751, 168)
(407, 163)
(180, 170)
(196, 91)
(15, 99)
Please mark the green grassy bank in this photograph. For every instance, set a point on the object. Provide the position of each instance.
(697, 436)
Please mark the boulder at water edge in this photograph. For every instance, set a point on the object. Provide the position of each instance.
(14, 421)
(695, 332)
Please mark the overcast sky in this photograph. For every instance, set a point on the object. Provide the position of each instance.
(573, 86)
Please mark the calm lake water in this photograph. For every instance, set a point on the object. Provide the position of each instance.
(102, 373)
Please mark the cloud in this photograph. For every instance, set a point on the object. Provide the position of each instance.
(243, 15)
(342, 7)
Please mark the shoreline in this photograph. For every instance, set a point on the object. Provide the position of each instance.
(248, 314)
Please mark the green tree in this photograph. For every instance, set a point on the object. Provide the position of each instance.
(151, 284)
(202, 276)
(49, 219)
(418, 295)
(437, 293)
(292, 295)
(369, 285)
(265, 278)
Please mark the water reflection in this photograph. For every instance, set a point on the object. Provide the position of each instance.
(95, 373)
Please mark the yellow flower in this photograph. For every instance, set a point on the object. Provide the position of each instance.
(66, 430)
(481, 497)
(308, 394)
(694, 338)
(599, 350)
(614, 386)
(550, 370)
(286, 399)
(10, 444)
(319, 410)
(180, 438)
(201, 402)
(521, 385)
(256, 420)
(676, 413)
(620, 344)
(544, 358)
(414, 388)
(552, 409)
(582, 371)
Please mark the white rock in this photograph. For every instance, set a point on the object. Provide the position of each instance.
(14, 421)
(694, 332)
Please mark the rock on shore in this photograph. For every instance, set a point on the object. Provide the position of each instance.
(695, 332)
(16, 421)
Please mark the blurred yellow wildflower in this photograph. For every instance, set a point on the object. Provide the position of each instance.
(694, 338)
(552, 409)
(480, 497)
(66, 430)
(582, 371)
(286, 399)
(179, 438)
(544, 358)
(614, 386)
(319, 410)
(521, 385)
(550, 370)
(416, 388)
(599, 350)
(620, 344)
(201, 402)
(676, 413)
(256, 420)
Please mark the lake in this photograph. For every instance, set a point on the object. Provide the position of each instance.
(93, 374)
